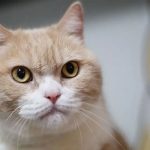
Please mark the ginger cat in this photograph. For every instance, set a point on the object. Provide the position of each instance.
(51, 90)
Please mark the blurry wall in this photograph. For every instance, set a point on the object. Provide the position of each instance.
(115, 30)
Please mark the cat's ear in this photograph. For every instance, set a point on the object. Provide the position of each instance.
(4, 34)
(72, 21)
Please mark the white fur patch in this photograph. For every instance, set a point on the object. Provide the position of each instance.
(35, 105)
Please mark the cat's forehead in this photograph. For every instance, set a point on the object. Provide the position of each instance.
(40, 47)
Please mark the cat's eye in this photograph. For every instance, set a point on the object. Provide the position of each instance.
(70, 69)
(21, 74)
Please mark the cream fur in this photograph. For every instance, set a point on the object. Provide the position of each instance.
(85, 125)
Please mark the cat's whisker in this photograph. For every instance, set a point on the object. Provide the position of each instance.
(98, 125)
(12, 113)
(88, 126)
(93, 106)
(98, 117)
(17, 123)
(63, 118)
(80, 133)
(15, 127)
(20, 131)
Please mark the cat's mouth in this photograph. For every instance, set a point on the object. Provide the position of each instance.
(53, 111)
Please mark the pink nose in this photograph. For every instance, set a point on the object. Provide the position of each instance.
(53, 97)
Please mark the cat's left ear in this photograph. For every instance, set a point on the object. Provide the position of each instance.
(4, 34)
(72, 21)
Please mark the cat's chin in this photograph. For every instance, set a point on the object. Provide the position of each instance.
(54, 123)
(53, 112)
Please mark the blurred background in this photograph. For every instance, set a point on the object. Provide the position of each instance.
(117, 32)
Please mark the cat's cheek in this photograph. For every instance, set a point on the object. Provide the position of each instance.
(7, 106)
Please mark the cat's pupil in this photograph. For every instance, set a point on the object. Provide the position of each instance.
(21, 73)
(70, 68)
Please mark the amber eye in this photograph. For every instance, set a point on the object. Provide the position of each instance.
(21, 74)
(70, 69)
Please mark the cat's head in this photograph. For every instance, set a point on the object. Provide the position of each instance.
(47, 76)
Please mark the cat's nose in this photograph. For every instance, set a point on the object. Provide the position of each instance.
(53, 97)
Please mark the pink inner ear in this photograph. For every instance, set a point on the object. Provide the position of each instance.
(72, 21)
(4, 33)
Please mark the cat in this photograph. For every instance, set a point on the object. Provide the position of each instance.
(51, 90)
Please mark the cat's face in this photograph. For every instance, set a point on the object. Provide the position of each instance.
(47, 76)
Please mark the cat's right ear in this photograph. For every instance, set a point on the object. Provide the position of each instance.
(4, 34)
